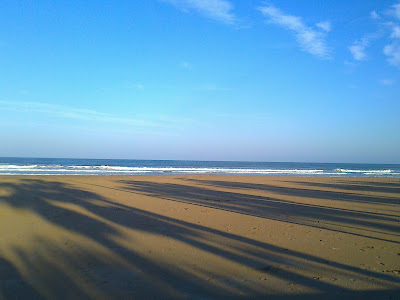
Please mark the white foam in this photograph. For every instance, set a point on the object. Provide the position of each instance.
(121, 169)
(369, 172)
(17, 167)
(105, 169)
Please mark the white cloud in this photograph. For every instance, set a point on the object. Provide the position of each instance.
(358, 47)
(395, 11)
(392, 51)
(387, 81)
(389, 33)
(358, 52)
(220, 10)
(395, 32)
(326, 26)
(310, 40)
(374, 15)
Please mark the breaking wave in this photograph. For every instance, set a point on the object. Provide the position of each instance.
(104, 169)
(159, 168)
(366, 172)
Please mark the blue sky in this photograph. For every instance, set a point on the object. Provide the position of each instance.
(314, 81)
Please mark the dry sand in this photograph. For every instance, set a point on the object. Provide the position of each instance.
(201, 237)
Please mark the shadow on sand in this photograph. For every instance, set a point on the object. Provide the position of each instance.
(275, 208)
(51, 265)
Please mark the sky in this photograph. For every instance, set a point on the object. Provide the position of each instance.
(279, 80)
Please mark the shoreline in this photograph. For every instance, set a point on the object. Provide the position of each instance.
(194, 174)
(152, 167)
(215, 236)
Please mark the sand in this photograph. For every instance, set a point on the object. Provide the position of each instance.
(199, 237)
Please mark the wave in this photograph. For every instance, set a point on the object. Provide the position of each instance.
(55, 169)
(364, 171)
(104, 169)
(17, 167)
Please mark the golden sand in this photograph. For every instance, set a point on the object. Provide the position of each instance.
(121, 237)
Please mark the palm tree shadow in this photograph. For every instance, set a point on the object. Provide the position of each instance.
(103, 267)
(302, 191)
(275, 208)
(360, 186)
(13, 285)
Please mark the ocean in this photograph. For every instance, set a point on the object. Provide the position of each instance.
(67, 166)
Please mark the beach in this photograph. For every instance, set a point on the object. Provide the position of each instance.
(199, 237)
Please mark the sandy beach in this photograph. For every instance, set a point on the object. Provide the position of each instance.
(199, 237)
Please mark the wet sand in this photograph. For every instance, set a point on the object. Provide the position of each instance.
(202, 237)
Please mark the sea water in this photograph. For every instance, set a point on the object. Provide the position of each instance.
(66, 166)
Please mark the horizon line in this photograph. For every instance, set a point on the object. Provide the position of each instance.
(201, 160)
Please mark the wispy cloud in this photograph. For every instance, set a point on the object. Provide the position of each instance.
(394, 11)
(186, 65)
(67, 112)
(374, 15)
(388, 20)
(392, 51)
(326, 26)
(311, 40)
(395, 31)
(220, 10)
(387, 81)
(358, 49)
